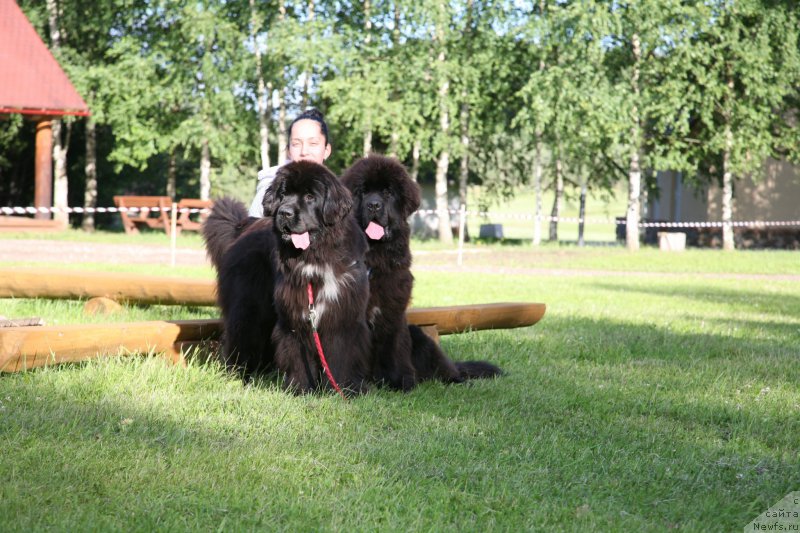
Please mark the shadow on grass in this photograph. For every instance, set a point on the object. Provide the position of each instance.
(642, 425)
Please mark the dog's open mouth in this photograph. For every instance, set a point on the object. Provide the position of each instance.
(375, 231)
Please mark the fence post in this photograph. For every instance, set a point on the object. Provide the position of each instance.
(173, 238)
(462, 220)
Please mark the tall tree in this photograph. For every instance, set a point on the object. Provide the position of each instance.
(61, 128)
(262, 94)
(743, 70)
(643, 37)
(442, 76)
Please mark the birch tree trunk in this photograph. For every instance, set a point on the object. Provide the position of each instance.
(367, 147)
(415, 150)
(442, 163)
(60, 144)
(634, 189)
(463, 171)
(308, 73)
(537, 185)
(394, 142)
(205, 170)
(556, 210)
(537, 164)
(727, 173)
(262, 104)
(394, 139)
(60, 181)
(442, 204)
(283, 140)
(90, 192)
(172, 175)
(727, 192)
(582, 211)
(634, 171)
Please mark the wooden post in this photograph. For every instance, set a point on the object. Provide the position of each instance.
(122, 287)
(22, 348)
(43, 195)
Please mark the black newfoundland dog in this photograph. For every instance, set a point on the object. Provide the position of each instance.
(308, 249)
(384, 197)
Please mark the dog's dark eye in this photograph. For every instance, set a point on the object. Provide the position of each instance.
(386, 193)
(309, 198)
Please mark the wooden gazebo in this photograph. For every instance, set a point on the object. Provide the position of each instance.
(33, 84)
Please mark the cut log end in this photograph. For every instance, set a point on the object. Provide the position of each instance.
(102, 306)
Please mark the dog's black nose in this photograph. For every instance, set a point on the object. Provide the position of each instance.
(374, 205)
(285, 212)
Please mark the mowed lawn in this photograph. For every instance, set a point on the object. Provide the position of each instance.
(658, 396)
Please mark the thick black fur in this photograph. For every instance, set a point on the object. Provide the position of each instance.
(402, 354)
(307, 197)
(243, 251)
(227, 221)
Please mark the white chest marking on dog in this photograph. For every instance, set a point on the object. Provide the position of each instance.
(329, 290)
(330, 286)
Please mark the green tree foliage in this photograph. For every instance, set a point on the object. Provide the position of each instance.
(498, 91)
(738, 74)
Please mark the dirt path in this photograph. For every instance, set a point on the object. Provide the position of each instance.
(475, 261)
(54, 252)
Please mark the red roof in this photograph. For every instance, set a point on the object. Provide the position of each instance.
(31, 80)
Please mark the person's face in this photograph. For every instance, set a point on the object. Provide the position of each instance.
(307, 143)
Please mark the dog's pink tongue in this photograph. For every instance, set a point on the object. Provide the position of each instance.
(374, 231)
(300, 240)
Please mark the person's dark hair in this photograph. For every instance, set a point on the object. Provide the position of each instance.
(311, 114)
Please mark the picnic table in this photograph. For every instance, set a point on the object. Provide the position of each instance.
(154, 212)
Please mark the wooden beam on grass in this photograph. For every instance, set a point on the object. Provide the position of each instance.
(119, 286)
(23, 348)
(460, 318)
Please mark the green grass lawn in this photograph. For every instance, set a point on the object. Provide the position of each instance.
(639, 402)
(516, 215)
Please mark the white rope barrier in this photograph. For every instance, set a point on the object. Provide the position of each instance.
(428, 212)
(80, 210)
(616, 221)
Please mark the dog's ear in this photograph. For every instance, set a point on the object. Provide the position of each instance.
(410, 191)
(272, 194)
(338, 201)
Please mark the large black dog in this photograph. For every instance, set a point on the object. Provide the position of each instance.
(384, 197)
(309, 246)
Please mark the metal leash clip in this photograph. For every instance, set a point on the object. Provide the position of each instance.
(312, 317)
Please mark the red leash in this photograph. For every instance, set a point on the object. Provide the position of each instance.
(312, 318)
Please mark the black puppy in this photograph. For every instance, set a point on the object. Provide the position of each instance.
(384, 197)
(319, 257)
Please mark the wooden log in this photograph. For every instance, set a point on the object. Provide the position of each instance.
(101, 305)
(122, 287)
(20, 350)
(459, 318)
(25, 348)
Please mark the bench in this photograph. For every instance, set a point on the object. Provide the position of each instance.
(184, 221)
(150, 211)
(20, 224)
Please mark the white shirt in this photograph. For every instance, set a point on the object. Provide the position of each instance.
(265, 178)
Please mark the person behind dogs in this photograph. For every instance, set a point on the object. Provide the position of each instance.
(308, 141)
